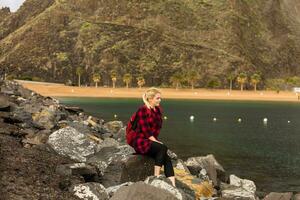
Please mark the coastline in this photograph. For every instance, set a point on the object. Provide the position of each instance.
(60, 90)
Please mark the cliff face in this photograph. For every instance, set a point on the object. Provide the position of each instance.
(157, 38)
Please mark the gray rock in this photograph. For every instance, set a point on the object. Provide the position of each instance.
(4, 104)
(117, 165)
(120, 135)
(90, 191)
(247, 185)
(172, 155)
(114, 126)
(140, 190)
(73, 110)
(279, 196)
(45, 118)
(235, 192)
(79, 126)
(112, 190)
(36, 139)
(179, 164)
(214, 170)
(88, 172)
(107, 142)
(181, 191)
(69, 142)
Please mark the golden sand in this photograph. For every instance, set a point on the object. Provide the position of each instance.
(60, 90)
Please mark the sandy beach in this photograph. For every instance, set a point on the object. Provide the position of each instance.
(60, 90)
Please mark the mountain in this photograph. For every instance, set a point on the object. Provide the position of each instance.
(49, 39)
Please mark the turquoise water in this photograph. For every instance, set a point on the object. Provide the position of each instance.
(268, 154)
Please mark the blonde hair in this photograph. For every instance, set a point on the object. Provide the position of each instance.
(149, 94)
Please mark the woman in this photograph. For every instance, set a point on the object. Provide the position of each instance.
(144, 139)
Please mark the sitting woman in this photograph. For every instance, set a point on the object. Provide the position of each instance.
(144, 137)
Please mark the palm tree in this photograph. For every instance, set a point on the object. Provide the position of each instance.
(242, 79)
(176, 79)
(96, 78)
(230, 77)
(127, 79)
(192, 77)
(79, 71)
(140, 81)
(113, 75)
(255, 79)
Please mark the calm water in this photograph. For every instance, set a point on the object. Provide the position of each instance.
(268, 154)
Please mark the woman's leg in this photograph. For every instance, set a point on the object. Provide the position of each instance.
(159, 153)
(169, 171)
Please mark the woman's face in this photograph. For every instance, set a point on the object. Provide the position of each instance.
(155, 101)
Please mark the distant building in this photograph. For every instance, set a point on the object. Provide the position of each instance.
(296, 89)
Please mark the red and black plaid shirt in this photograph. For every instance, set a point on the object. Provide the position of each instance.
(149, 124)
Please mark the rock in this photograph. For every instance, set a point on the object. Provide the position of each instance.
(4, 104)
(32, 107)
(187, 182)
(140, 190)
(69, 142)
(114, 126)
(25, 93)
(241, 189)
(90, 191)
(19, 116)
(88, 172)
(94, 124)
(117, 165)
(45, 118)
(214, 170)
(279, 196)
(73, 110)
(120, 135)
(164, 183)
(112, 190)
(296, 196)
(36, 139)
(79, 126)
(107, 142)
(180, 165)
(247, 185)
(172, 155)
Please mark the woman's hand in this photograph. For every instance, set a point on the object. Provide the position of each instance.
(154, 140)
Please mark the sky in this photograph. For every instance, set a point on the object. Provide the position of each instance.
(12, 4)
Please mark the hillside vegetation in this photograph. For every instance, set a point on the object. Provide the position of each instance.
(160, 40)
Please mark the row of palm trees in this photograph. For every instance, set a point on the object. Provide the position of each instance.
(96, 77)
(176, 79)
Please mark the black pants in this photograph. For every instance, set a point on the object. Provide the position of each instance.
(159, 153)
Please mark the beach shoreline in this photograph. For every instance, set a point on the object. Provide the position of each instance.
(60, 90)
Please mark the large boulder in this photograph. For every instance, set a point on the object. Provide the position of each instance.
(90, 191)
(118, 165)
(279, 196)
(69, 142)
(214, 170)
(239, 189)
(140, 190)
(181, 192)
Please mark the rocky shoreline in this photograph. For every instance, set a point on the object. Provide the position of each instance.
(51, 151)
